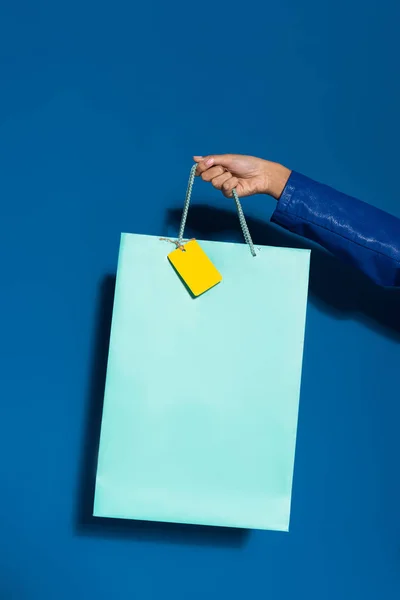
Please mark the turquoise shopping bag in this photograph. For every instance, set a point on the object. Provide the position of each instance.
(202, 393)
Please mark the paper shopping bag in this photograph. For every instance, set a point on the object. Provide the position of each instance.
(202, 393)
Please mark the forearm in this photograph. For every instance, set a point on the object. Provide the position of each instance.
(354, 231)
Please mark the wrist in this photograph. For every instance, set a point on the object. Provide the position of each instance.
(277, 178)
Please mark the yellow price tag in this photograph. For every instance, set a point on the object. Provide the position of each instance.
(194, 267)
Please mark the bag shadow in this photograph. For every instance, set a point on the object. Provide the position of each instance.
(335, 288)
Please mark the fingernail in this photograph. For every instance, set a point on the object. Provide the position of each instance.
(209, 162)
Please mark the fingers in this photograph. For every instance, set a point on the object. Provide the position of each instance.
(201, 167)
(215, 169)
(212, 173)
(226, 183)
(229, 185)
(205, 162)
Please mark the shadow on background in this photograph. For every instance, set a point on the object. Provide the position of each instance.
(86, 523)
(335, 287)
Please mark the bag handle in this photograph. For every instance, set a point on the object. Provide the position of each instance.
(242, 220)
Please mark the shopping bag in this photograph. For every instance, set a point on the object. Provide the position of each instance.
(202, 392)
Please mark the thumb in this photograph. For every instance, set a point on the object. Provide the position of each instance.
(222, 160)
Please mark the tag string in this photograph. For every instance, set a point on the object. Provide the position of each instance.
(242, 220)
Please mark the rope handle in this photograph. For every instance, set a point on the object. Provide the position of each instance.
(242, 219)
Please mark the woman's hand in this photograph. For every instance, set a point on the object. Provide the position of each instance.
(249, 175)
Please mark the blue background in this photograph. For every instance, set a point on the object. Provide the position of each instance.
(102, 105)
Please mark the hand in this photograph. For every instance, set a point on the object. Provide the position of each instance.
(249, 175)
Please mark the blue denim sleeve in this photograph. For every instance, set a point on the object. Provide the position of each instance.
(354, 231)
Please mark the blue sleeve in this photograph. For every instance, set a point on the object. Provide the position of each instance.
(354, 231)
